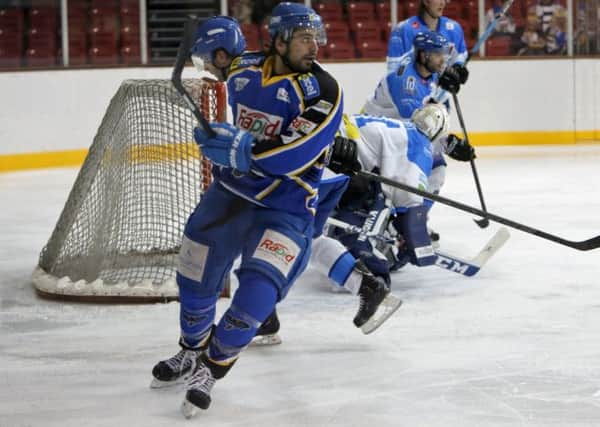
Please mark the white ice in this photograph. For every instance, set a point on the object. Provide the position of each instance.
(516, 345)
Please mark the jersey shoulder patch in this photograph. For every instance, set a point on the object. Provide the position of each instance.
(310, 85)
(247, 59)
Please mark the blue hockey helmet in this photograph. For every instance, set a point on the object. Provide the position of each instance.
(218, 32)
(287, 17)
(430, 42)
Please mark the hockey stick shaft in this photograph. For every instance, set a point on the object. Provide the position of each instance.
(183, 54)
(483, 222)
(584, 245)
(490, 28)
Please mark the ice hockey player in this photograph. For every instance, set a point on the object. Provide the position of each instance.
(262, 201)
(429, 17)
(219, 44)
(399, 150)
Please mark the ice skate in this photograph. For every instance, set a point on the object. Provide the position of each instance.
(173, 371)
(377, 303)
(267, 334)
(199, 386)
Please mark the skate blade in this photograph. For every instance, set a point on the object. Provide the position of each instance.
(265, 340)
(157, 384)
(388, 306)
(188, 409)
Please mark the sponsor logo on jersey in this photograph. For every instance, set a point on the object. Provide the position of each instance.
(416, 24)
(278, 250)
(323, 106)
(300, 124)
(240, 83)
(309, 86)
(450, 25)
(283, 95)
(258, 123)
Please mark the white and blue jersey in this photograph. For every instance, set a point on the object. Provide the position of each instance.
(294, 122)
(399, 151)
(402, 36)
(401, 92)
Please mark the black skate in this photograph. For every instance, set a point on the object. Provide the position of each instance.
(199, 386)
(173, 371)
(267, 333)
(377, 303)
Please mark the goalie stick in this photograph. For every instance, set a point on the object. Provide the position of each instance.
(466, 267)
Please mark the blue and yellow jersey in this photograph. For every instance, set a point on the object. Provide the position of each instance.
(402, 36)
(294, 118)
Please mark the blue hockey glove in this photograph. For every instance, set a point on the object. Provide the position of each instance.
(231, 147)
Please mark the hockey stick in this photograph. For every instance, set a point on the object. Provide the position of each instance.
(466, 267)
(490, 28)
(183, 54)
(584, 245)
(483, 222)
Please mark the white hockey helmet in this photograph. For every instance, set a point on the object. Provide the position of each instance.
(432, 120)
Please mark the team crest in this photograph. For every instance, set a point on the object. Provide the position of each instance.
(449, 25)
(240, 83)
(283, 95)
(410, 85)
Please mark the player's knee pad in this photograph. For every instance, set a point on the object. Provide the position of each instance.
(252, 303)
(412, 225)
(199, 270)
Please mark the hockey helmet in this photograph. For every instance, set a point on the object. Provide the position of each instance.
(287, 17)
(432, 120)
(218, 32)
(430, 42)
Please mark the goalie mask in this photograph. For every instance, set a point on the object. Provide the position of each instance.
(432, 120)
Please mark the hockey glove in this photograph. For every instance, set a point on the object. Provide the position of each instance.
(230, 147)
(459, 149)
(450, 80)
(344, 156)
(462, 72)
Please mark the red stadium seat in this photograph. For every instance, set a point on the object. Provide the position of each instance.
(103, 53)
(411, 8)
(131, 54)
(498, 46)
(366, 32)
(340, 50)
(375, 50)
(454, 10)
(330, 11)
(10, 57)
(360, 11)
(41, 57)
(337, 31)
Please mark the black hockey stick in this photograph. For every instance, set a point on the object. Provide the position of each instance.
(483, 222)
(183, 54)
(584, 245)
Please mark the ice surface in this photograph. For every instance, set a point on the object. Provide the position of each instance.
(516, 345)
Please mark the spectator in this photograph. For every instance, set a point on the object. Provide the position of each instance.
(242, 11)
(556, 37)
(545, 10)
(505, 25)
(532, 41)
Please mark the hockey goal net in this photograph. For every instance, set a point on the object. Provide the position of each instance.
(120, 230)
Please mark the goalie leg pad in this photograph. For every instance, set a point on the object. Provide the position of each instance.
(412, 225)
